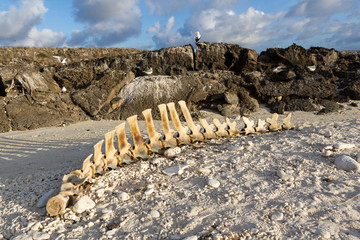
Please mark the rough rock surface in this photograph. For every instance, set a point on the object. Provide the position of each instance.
(111, 83)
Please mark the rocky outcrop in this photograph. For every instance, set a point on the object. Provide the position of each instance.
(166, 61)
(112, 84)
(25, 112)
(230, 57)
(96, 98)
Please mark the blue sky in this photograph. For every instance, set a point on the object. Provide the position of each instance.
(154, 24)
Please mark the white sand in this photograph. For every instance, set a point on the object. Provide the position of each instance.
(280, 186)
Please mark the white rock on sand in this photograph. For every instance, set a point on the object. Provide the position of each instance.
(271, 186)
(84, 203)
(347, 163)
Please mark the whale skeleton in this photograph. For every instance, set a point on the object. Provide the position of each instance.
(142, 148)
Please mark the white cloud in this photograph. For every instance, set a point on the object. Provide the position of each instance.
(169, 7)
(155, 28)
(107, 22)
(246, 29)
(18, 26)
(166, 37)
(319, 8)
(310, 19)
(43, 38)
(345, 36)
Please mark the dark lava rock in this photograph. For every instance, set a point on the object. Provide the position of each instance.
(353, 90)
(166, 61)
(277, 107)
(305, 105)
(247, 103)
(229, 109)
(25, 113)
(229, 57)
(99, 94)
(4, 121)
(75, 78)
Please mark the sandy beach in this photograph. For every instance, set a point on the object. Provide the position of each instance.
(280, 185)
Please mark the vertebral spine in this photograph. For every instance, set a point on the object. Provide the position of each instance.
(142, 148)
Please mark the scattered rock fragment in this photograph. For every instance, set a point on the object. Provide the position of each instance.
(277, 216)
(23, 236)
(154, 213)
(179, 169)
(236, 148)
(172, 152)
(84, 203)
(44, 198)
(40, 235)
(327, 153)
(191, 238)
(204, 170)
(123, 196)
(346, 163)
(284, 176)
(343, 146)
(149, 191)
(213, 183)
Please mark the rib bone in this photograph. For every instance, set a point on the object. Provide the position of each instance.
(183, 137)
(155, 143)
(196, 135)
(168, 132)
(139, 149)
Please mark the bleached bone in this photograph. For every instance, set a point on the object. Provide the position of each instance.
(249, 126)
(231, 127)
(88, 168)
(183, 137)
(124, 155)
(80, 176)
(196, 135)
(57, 204)
(110, 151)
(209, 129)
(168, 132)
(73, 182)
(155, 143)
(69, 189)
(261, 126)
(287, 125)
(274, 126)
(139, 150)
(75, 179)
(221, 128)
(100, 165)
